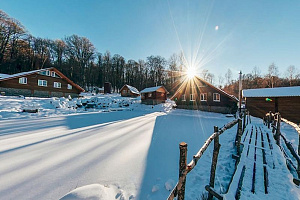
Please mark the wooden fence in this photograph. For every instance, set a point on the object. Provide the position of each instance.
(184, 168)
(273, 120)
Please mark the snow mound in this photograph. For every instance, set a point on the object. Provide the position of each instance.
(170, 184)
(94, 192)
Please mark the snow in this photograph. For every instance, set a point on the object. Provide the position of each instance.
(94, 192)
(151, 89)
(4, 75)
(273, 92)
(279, 177)
(123, 150)
(133, 89)
(22, 73)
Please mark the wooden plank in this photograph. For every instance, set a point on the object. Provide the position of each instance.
(213, 192)
(240, 184)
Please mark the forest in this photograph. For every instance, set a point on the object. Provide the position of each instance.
(77, 58)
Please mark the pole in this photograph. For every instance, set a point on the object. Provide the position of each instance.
(277, 134)
(214, 162)
(182, 168)
(240, 92)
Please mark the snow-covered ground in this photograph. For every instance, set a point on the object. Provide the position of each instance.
(118, 149)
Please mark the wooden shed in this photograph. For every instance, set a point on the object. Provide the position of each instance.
(285, 100)
(154, 95)
(198, 94)
(47, 82)
(129, 91)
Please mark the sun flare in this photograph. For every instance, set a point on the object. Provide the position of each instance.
(191, 72)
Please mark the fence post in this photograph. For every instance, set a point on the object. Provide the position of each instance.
(238, 137)
(269, 119)
(244, 121)
(274, 123)
(182, 168)
(277, 134)
(214, 162)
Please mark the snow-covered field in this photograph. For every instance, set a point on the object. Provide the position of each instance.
(118, 150)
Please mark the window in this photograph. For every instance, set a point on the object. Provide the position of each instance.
(192, 97)
(23, 80)
(53, 74)
(183, 97)
(69, 87)
(203, 97)
(47, 73)
(217, 97)
(128, 91)
(57, 85)
(149, 94)
(42, 83)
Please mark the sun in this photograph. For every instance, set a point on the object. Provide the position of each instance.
(191, 72)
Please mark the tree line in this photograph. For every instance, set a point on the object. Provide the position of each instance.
(77, 58)
(256, 79)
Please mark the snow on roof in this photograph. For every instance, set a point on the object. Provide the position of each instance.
(220, 90)
(273, 92)
(151, 89)
(22, 73)
(4, 75)
(133, 89)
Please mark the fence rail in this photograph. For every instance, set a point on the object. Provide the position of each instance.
(275, 119)
(185, 169)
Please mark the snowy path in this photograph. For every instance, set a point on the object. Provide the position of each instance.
(263, 165)
(133, 151)
(46, 158)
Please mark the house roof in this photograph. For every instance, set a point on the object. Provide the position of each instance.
(218, 89)
(8, 77)
(132, 89)
(153, 89)
(22, 74)
(212, 86)
(272, 92)
(4, 75)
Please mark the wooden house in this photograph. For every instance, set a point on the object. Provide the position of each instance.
(198, 94)
(154, 95)
(47, 82)
(129, 91)
(285, 100)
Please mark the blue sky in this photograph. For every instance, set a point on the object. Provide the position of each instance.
(250, 33)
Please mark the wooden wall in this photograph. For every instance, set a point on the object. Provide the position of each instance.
(289, 107)
(198, 87)
(32, 84)
(125, 94)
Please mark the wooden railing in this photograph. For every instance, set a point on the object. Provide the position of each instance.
(184, 168)
(275, 121)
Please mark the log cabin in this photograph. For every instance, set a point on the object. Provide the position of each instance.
(129, 91)
(48, 82)
(198, 94)
(154, 95)
(285, 100)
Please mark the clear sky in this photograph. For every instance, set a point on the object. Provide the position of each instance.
(213, 34)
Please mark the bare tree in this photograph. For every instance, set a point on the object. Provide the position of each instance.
(228, 77)
(82, 51)
(256, 72)
(291, 74)
(221, 80)
(272, 74)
